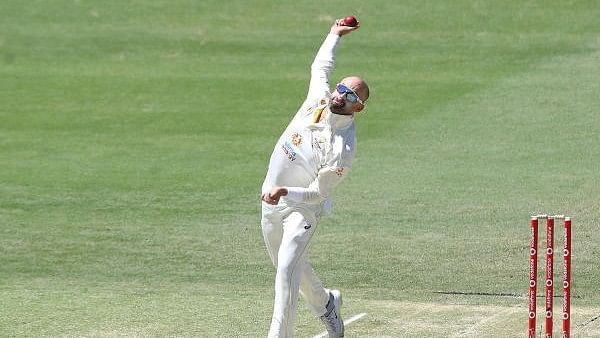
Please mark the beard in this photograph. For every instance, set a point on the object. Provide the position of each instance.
(337, 106)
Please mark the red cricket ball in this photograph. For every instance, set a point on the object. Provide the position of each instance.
(350, 21)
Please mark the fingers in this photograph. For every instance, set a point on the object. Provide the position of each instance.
(339, 23)
(340, 29)
(273, 196)
(269, 199)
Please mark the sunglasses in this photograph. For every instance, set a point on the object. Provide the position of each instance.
(351, 95)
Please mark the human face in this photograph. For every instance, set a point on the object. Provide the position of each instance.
(345, 100)
(349, 94)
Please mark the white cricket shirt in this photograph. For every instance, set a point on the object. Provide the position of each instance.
(316, 150)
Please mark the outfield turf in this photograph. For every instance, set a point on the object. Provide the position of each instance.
(135, 135)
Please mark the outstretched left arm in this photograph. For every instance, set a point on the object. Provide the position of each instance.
(318, 191)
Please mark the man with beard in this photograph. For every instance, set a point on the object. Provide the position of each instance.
(312, 156)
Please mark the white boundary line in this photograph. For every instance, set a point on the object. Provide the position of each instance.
(346, 322)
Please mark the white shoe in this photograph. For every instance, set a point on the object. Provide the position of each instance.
(332, 318)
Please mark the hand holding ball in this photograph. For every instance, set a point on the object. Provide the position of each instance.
(345, 25)
(349, 21)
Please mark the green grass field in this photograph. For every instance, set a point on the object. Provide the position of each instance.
(135, 135)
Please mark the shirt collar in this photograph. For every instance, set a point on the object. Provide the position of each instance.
(323, 116)
(337, 121)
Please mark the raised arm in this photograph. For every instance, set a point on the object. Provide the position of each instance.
(322, 66)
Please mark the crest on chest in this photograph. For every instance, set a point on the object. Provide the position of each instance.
(296, 139)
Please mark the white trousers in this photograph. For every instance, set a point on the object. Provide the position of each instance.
(287, 233)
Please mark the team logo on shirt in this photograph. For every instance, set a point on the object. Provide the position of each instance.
(296, 139)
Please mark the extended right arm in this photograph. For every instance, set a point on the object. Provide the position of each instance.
(322, 66)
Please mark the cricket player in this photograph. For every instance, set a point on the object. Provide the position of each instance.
(312, 156)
